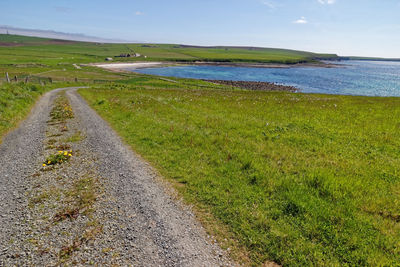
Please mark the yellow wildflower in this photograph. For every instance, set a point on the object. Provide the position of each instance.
(69, 155)
(65, 153)
(49, 162)
(59, 152)
(44, 165)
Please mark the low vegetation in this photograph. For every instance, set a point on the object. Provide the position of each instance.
(61, 110)
(58, 158)
(16, 101)
(80, 199)
(76, 137)
(297, 179)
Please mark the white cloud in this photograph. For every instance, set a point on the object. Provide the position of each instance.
(268, 3)
(329, 2)
(301, 20)
(138, 13)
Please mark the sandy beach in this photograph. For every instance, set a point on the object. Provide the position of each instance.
(141, 65)
(131, 66)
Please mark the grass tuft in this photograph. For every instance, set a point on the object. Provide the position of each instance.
(61, 110)
(81, 198)
(76, 137)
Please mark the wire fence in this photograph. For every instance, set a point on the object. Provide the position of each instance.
(46, 80)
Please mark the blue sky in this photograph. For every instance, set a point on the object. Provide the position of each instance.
(346, 27)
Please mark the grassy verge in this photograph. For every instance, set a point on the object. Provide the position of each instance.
(296, 179)
(16, 100)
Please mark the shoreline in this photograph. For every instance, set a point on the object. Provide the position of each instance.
(119, 66)
(256, 86)
(247, 85)
(264, 65)
(123, 66)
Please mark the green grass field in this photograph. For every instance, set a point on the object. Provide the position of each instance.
(47, 58)
(16, 49)
(297, 179)
(16, 101)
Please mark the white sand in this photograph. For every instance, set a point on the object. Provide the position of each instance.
(138, 65)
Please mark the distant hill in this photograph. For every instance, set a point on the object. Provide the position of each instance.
(85, 52)
(370, 58)
(55, 35)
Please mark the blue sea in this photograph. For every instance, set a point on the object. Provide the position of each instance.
(369, 78)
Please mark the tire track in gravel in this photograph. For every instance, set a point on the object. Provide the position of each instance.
(165, 232)
(18, 154)
(143, 222)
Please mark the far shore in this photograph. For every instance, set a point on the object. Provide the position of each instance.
(117, 66)
(131, 66)
(264, 65)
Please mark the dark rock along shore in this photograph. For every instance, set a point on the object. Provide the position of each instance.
(260, 86)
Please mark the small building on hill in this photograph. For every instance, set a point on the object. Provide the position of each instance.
(109, 59)
(124, 55)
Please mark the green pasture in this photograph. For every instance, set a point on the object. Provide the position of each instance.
(298, 179)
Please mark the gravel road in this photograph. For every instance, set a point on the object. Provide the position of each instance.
(140, 220)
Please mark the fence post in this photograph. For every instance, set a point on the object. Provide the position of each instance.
(15, 78)
(76, 80)
(26, 79)
(7, 78)
(50, 80)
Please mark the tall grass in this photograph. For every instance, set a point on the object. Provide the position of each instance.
(16, 101)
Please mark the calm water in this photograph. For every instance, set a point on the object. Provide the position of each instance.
(371, 78)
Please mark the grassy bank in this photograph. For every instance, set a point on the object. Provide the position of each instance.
(297, 179)
(16, 100)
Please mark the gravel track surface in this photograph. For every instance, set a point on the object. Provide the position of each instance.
(18, 154)
(134, 220)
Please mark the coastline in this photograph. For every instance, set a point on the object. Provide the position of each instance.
(118, 67)
(123, 66)
(264, 65)
(248, 85)
(256, 86)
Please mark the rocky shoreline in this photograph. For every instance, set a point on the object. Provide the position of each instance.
(257, 86)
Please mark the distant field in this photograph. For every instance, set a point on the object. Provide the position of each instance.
(23, 56)
(298, 179)
(15, 49)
